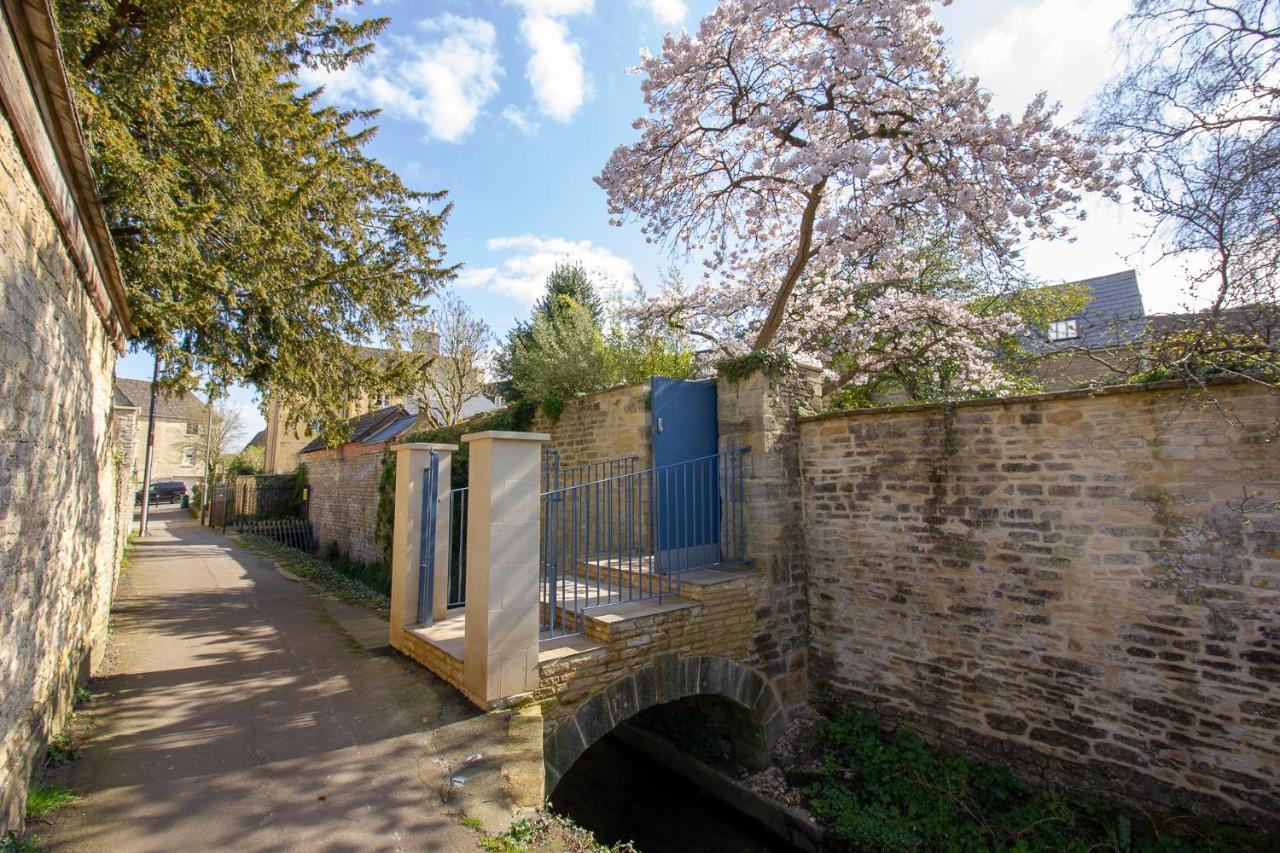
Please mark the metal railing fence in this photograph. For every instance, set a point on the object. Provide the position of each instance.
(630, 536)
(273, 510)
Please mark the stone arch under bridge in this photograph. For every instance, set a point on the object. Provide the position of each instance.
(669, 678)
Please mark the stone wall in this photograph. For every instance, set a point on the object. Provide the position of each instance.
(1084, 587)
(344, 502)
(609, 425)
(759, 412)
(61, 474)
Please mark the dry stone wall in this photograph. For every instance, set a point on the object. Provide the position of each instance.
(1087, 587)
(344, 502)
(61, 478)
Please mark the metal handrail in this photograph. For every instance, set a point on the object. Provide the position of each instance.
(630, 536)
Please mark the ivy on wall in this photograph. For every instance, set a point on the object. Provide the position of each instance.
(740, 367)
(514, 418)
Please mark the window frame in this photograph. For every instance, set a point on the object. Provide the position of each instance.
(1064, 330)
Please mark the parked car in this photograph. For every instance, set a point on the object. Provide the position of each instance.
(170, 492)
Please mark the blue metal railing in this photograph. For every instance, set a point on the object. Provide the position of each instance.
(555, 475)
(628, 536)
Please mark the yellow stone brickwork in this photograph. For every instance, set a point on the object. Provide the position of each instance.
(1085, 587)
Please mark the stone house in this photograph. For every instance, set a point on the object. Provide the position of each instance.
(181, 432)
(284, 441)
(64, 320)
(1113, 319)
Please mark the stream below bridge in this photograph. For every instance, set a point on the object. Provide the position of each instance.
(620, 794)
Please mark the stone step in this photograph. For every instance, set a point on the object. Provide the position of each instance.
(637, 573)
(598, 610)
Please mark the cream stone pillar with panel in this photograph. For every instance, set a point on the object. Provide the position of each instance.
(500, 657)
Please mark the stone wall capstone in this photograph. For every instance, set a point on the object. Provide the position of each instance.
(1085, 587)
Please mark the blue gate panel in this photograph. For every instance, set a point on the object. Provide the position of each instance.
(686, 497)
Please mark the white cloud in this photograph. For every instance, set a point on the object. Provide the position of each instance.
(555, 69)
(1063, 47)
(523, 276)
(441, 80)
(669, 13)
(520, 120)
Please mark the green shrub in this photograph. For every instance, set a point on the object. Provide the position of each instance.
(892, 792)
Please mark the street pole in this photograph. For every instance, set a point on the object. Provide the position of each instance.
(151, 446)
(208, 457)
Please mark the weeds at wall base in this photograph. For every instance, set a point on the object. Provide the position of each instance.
(316, 571)
(547, 831)
(12, 843)
(878, 791)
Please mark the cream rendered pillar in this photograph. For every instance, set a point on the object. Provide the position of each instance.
(500, 646)
(412, 462)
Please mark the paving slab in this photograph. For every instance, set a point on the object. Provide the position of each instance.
(234, 712)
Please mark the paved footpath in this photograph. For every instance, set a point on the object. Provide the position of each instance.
(234, 713)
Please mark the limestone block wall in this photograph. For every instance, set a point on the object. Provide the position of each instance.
(759, 412)
(611, 424)
(60, 474)
(1087, 587)
(344, 502)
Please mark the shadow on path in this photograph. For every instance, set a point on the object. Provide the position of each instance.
(233, 713)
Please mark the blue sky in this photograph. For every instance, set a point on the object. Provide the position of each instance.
(513, 106)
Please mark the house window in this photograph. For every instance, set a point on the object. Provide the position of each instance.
(381, 401)
(1064, 330)
(189, 457)
(193, 428)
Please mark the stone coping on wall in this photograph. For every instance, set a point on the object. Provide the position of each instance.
(1046, 397)
(505, 435)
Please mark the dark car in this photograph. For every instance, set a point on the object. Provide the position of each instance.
(168, 492)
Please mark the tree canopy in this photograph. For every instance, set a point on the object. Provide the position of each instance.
(1197, 111)
(259, 241)
(794, 144)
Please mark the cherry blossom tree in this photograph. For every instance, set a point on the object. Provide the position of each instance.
(804, 148)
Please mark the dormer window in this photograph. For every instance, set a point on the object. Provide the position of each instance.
(1064, 330)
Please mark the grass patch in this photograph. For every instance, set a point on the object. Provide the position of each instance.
(548, 832)
(317, 571)
(45, 797)
(880, 791)
(472, 823)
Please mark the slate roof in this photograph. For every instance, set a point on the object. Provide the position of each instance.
(259, 440)
(1113, 316)
(365, 427)
(179, 407)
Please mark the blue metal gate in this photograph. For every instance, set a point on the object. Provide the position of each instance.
(427, 544)
(686, 494)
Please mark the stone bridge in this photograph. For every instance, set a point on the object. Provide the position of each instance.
(732, 633)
